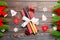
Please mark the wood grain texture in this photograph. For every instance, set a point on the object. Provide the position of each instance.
(37, 5)
(30, 0)
(17, 5)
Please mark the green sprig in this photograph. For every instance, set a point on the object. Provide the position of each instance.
(2, 3)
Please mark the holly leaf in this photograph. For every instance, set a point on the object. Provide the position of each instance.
(2, 3)
(56, 6)
(6, 10)
(6, 27)
(55, 33)
(58, 1)
(56, 18)
(57, 38)
(1, 34)
(5, 20)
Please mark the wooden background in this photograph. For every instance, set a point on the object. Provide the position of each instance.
(17, 5)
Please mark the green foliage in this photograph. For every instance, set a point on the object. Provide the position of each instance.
(6, 27)
(58, 1)
(55, 33)
(57, 38)
(2, 3)
(56, 6)
(6, 10)
(54, 24)
(5, 20)
(56, 18)
(1, 34)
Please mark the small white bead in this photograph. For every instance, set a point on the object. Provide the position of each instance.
(53, 14)
(15, 29)
(54, 28)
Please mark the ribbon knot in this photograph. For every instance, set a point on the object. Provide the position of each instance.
(27, 20)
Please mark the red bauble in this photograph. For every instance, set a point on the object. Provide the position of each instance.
(58, 22)
(2, 11)
(57, 10)
(58, 14)
(16, 20)
(58, 28)
(1, 24)
(44, 28)
(1, 20)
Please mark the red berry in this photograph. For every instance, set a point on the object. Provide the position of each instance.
(57, 10)
(58, 28)
(1, 20)
(58, 22)
(1, 24)
(58, 14)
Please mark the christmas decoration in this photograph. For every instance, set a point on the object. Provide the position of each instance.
(28, 25)
(58, 1)
(15, 29)
(45, 9)
(13, 12)
(44, 28)
(54, 28)
(44, 18)
(2, 13)
(53, 14)
(58, 28)
(56, 21)
(16, 20)
(29, 18)
(3, 21)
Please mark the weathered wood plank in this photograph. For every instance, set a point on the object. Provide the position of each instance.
(37, 5)
(29, 0)
(17, 5)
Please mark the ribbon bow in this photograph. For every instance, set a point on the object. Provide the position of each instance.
(27, 20)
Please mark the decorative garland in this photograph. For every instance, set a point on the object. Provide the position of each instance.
(3, 21)
(56, 21)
